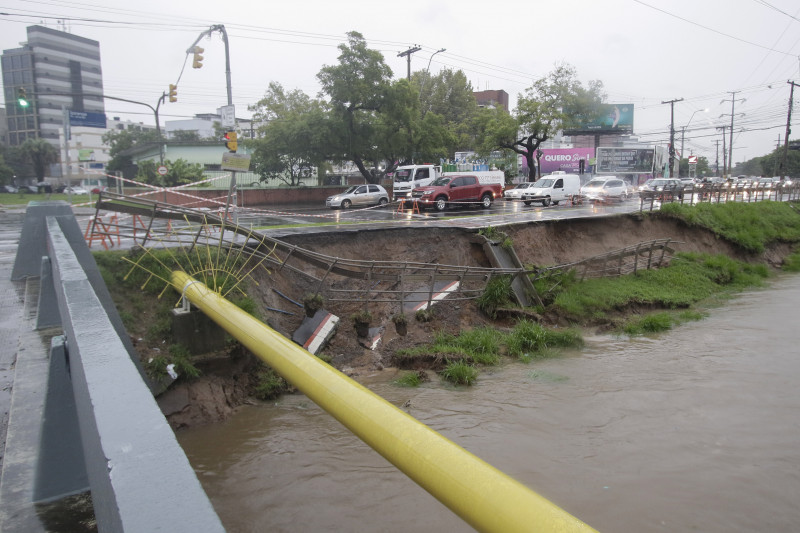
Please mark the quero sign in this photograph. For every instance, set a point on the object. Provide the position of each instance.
(566, 159)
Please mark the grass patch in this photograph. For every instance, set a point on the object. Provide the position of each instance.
(411, 379)
(792, 263)
(270, 385)
(750, 225)
(483, 346)
(460, 373)
(688, 279)
(497, 294)
(529, 340)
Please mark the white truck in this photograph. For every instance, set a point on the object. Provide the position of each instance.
(408, 177)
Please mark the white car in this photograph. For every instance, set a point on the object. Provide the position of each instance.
(516, 192)
(359, 195)
(605, 189)
(75, 190)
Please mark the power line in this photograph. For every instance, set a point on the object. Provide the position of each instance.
(712, 29)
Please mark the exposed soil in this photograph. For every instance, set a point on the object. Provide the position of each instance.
(225, 384)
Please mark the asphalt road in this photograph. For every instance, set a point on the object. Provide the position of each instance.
(502, 212)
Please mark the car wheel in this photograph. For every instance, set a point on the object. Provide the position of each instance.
(555, 202)
(623, 197)
(346, 204)
(527, 202)
(441, 203)
(486, 201)
(546, 202)
(383, 201)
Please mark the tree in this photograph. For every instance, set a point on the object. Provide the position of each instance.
(553, 103)
(368, 121)
(292, 139)
(6, 172)
(185, 135)
(702, 168)
(121, 140)
(450, 95)
(179, 172)
(771, 164)
(40, 154)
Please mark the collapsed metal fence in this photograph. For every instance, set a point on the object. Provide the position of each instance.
(369, 281)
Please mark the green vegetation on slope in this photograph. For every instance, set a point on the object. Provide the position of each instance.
(751, 225)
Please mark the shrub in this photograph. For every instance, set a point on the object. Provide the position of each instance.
(496, 295)
(460, 373)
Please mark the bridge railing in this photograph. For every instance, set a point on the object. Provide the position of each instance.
(97, 405)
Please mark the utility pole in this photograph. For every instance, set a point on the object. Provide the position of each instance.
(724, 153)
(777, 161)
(788, 131)
(716, 163)
(672, 133)
(730, 145)
(408, 53)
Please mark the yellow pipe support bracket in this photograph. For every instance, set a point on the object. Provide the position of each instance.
(480, 494)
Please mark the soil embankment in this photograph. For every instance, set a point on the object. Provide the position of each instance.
(540, 244)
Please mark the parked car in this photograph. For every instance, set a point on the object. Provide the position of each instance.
(29, 189)
(605, 189)
(516, 192)
(662, 187)
(75, 190)
(359, 195)
(10, 189)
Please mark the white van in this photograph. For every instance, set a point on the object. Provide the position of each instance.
(553, 189)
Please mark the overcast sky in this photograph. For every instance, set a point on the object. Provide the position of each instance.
(645, 52)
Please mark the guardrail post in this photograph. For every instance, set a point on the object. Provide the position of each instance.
(61, 470)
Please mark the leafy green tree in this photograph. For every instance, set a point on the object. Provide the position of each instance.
(701, 170)
(41, 155)
(6, 172)
(16, 161)
(449, 94)
(292, 139)
(121, 140)
(185, 135)
(555, 102)
(371, 118)
(179, 172)
(772, 163)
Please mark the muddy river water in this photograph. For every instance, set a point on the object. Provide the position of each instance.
(697, 429)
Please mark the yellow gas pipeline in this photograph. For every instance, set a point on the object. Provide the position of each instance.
(483, 496)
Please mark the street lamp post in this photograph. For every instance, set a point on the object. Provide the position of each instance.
(683, 132)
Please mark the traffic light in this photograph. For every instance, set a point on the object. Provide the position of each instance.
(197, 61)
(22, 97)
(231, 141)
(173, 92)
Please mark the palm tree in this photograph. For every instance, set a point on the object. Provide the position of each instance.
(41, 154)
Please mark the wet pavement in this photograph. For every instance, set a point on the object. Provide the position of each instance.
(11, 312)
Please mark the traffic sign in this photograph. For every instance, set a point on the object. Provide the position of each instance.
(162, 170)
(228, 116)
(692, 159)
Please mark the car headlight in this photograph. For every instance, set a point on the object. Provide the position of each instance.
(426, 193)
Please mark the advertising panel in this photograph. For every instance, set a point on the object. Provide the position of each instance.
(566, 159)
(625, 160)
(89, 120)
(614, 118)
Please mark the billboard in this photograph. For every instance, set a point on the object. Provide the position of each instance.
(566, 159)
(89, 120)
(625, 160)
(613, 119)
